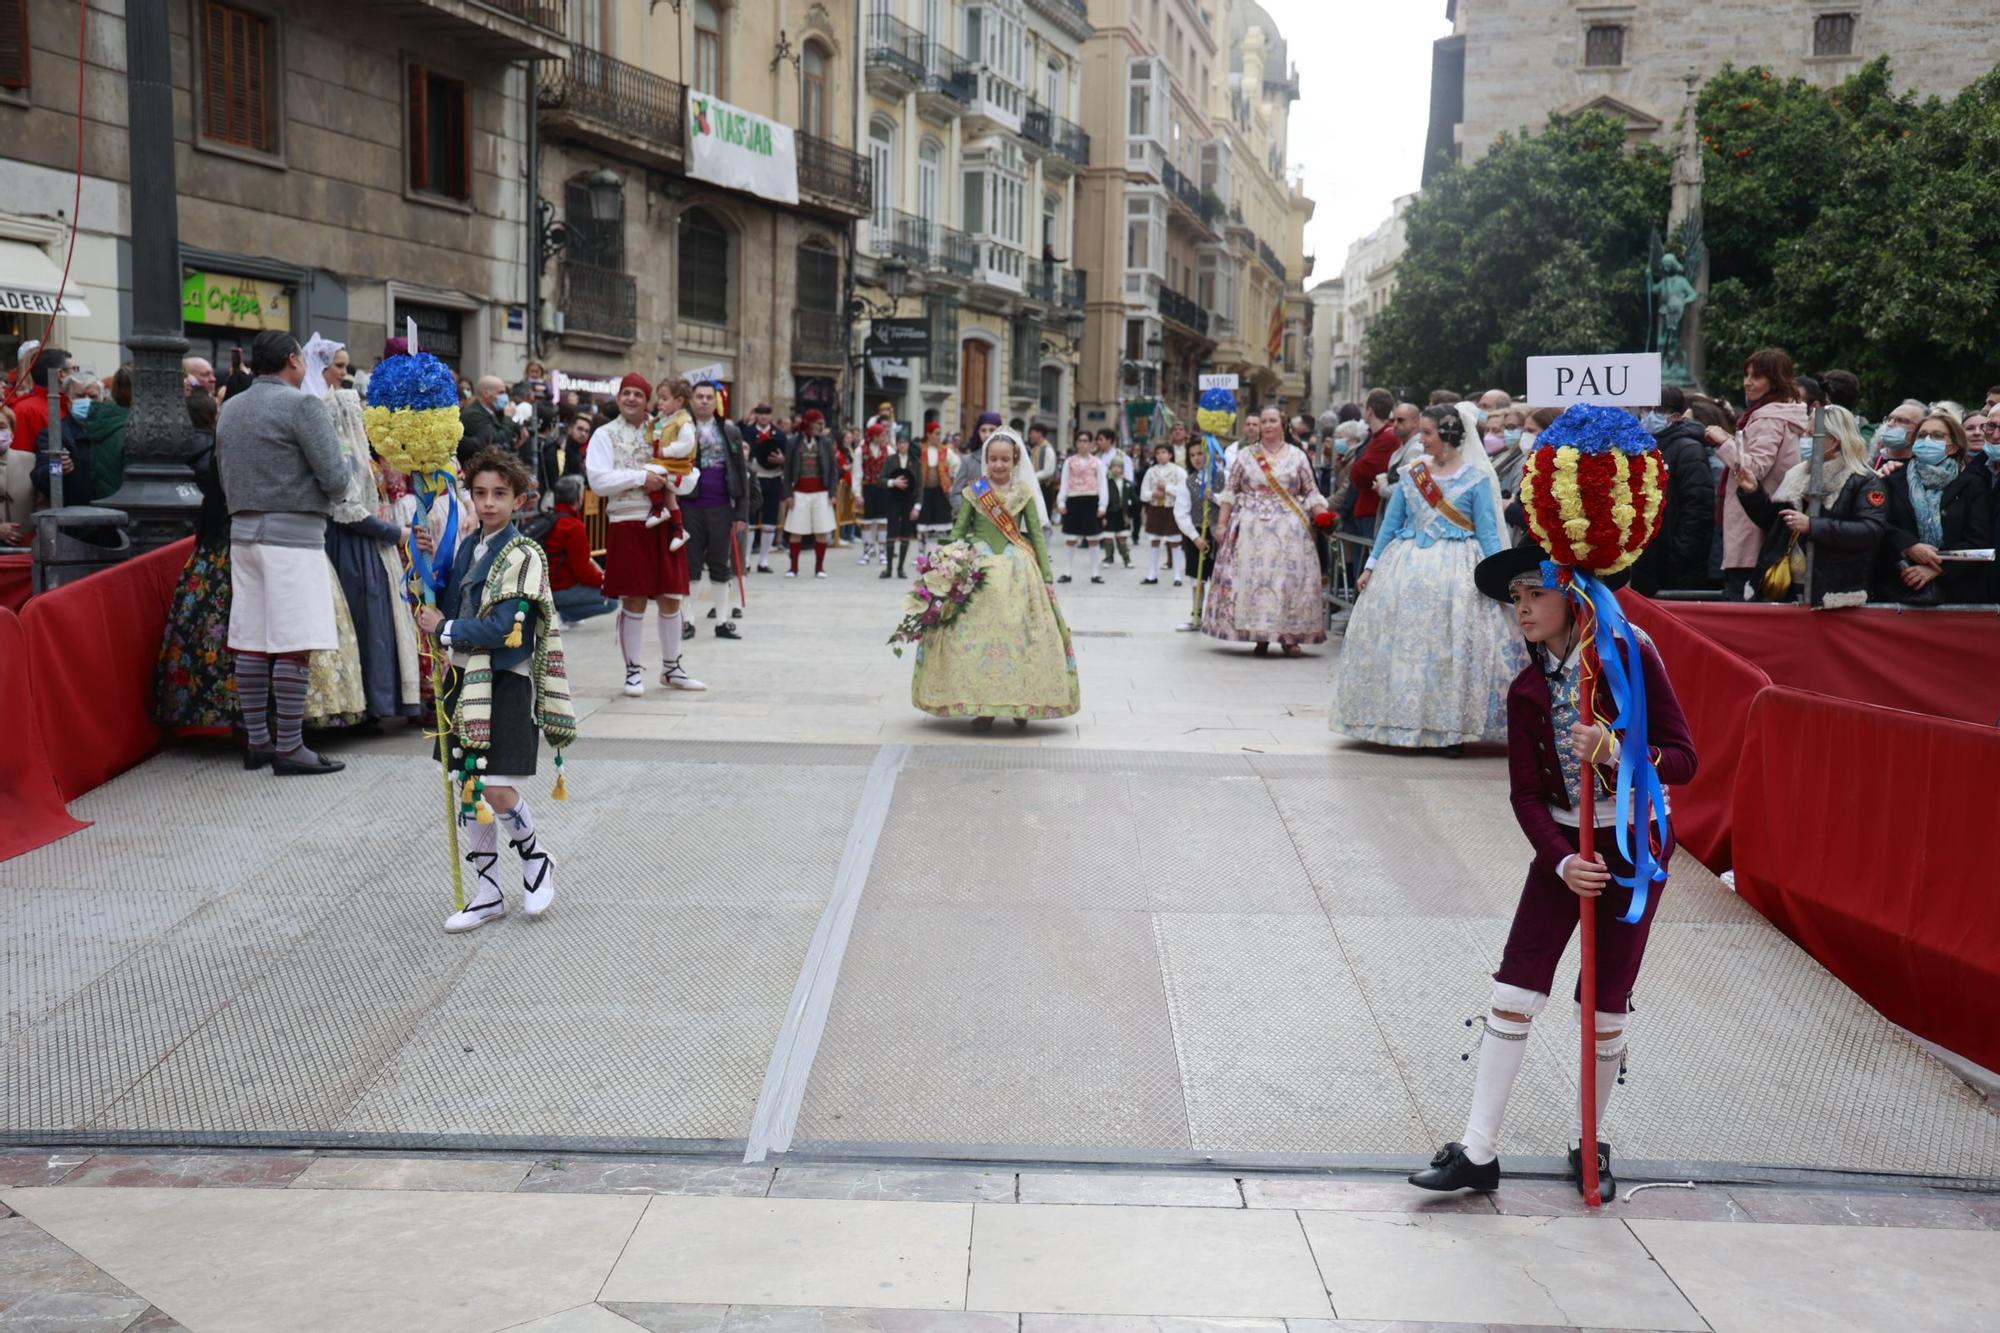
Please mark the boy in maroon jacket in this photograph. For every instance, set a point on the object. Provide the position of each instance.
(1548, 744)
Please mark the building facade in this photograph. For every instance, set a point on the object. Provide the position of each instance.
(697, 186)
(1367, 282)
(339, 172)
(970, 122)
(1510, 64)
(1329, 378)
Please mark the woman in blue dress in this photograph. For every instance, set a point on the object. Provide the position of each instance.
(1427, 659)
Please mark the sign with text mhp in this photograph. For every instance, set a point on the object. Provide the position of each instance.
(1623, 379)
(741, 149)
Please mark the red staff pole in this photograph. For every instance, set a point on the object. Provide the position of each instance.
(1593, 1195)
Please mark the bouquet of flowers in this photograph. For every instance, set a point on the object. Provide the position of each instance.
(946, 579)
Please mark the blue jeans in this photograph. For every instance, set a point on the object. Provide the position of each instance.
(580, 601)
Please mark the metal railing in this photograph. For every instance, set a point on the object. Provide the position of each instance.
(1183, 189)
(1038, 124)
(956, 252)
(818, 337)
(1074, 288)
(1183, 311)
(1071, 141)
(895, 45)
(600, 301)
(903, 235)
(1270, 258)
(832, 172)
(949, 73)
(623, 97)
(534, 13)
(1055, 284)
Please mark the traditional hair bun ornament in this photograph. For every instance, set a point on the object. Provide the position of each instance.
(1216, 411)
(1595, 489)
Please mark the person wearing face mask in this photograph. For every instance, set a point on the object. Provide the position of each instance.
(1766, 445)
(1892, 441)
(485, 421)
(1677, 559)
(1847, 530)
(1987, 466)
(1936, 503)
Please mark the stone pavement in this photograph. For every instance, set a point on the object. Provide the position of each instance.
(1187, 931)
(331, 1244)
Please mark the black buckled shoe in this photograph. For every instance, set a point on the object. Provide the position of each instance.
(727, 630)
(303, 761)
(1607, 1184)
(1450, 1170)
(254, 759)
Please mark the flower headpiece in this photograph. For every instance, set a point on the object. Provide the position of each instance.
(412, 414)
(1594, 489)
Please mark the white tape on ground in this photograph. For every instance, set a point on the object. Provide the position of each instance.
(777, 1113)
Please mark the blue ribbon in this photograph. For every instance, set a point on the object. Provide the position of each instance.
(427, 579)
(1642, 797)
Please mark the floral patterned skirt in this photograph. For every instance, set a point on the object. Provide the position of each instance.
(1008, 653)
(1266, 586)
(1428, 658)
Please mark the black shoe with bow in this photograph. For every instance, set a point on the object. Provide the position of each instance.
(1607, 1184)
(1450, 1170)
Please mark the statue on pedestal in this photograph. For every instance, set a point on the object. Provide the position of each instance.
(1671, 298)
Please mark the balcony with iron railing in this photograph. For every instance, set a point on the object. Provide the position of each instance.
(819, 338)
(505, 30)
(1182, 311)
(950, 81)
(1055, 284)
(895, 56)
(1071, 143)
(926, 246)
(608, 102)
(1038, 125)
(835, 177)
(599, 302)
(1271, 260)
(956, 252)
(1199, 209)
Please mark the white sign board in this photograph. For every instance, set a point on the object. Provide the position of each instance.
(1623, 379)
(713, 373)
(741, 149)
(1228, 382)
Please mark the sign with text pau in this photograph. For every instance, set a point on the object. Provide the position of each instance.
(1623, 379)
(742, 150)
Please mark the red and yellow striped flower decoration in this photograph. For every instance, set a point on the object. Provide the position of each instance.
(1595, 489)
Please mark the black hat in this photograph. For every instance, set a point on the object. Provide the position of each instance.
(1496, 574)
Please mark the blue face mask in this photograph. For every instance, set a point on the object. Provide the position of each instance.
(1892, 437)
(1806, 449)
(1928, 451)
(1513, 437)
(1654, 422)
(501, 402)
(80, 408)
(1992, 452)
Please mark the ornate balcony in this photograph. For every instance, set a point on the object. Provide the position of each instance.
(957, 253)
(1182, 311)
(895, 57)
(1075, 288)
(504, 30)
(1072, 148)
(599, 302)
(1271, 260)
(818, 338)
(1055, 284)
(835, 177)
(603, 101)
(950, 81)
(1198, 210)
(892, 232)
(1038, 125)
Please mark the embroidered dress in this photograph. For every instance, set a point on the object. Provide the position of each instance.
(1008, 653)
(1266, 583)
(1427, 659)
(935, 470)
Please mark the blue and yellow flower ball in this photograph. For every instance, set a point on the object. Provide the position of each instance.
(412, 414)
(1216, 412)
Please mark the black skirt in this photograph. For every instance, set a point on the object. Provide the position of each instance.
(1081, 517)
(875, 502)
(936, 510)
(516, 742)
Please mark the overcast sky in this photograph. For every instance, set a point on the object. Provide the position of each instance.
(1364, 108)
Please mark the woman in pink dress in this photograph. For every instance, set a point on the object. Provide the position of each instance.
(1266, 585)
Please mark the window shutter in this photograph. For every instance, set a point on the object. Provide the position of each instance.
(420, 157)
(461, 106)
(236, 82)
(215, 70)
(14, 44)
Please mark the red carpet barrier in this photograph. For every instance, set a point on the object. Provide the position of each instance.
(17, 581)
(1872, 655)
(92, 647)
(1866, 834)
(31, 809)
(1715, 688)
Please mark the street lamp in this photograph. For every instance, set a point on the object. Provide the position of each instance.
(895, 274)
(607, 195)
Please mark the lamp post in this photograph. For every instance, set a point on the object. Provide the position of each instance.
(895, 276)
(158, 490)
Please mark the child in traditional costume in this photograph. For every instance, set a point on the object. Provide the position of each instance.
(1083, 497)
(1559, 737)
(1194, 514)
(1118, 511)
(936, 468)
(1159, 484)
(1007, 653)
(899, 502)
(870, 462)
(670, 435)
(497, 619)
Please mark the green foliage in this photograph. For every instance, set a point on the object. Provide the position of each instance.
(1855, 227)
(1537, 248)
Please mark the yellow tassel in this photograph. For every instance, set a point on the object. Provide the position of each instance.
(561, 793)
(485, 813)
(514, 636)
(466, 795)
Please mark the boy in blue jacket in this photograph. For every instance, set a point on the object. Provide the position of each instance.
(497, 620)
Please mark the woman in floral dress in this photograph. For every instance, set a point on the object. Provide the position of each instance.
(194, 688)
(1266, 585)
(1007, 653)
(1427, 658)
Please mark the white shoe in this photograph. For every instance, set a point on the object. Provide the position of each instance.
(680, 540)
(675, 677)
(820, 575)
(472, 918)
(654, 520)
(538, 884)
(791, 573)
(635, 681)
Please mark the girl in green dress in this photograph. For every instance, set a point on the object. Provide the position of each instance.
(1007, 653)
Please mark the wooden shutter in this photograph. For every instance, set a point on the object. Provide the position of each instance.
(420, 137)
(236, 84)
(14, 44)
(460, 123)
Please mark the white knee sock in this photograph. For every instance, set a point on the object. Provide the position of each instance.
(1610, 1058)
(482, 845)
(1502, 1047)
(718, 597)
(1153, 562)
(631, 635)
(1069, 559)
(1174, 560)
(670, 637)
(1096, 555)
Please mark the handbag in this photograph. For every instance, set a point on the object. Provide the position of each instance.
(1786, 571)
